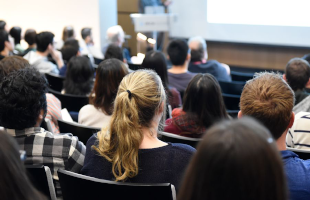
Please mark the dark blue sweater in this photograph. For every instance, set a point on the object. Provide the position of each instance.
(158, 165)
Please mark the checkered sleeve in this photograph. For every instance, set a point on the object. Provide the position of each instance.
(76, 155)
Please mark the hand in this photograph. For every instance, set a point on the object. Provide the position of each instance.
(57, 56)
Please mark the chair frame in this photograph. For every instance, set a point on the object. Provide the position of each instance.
(55, 76)
(180, 138)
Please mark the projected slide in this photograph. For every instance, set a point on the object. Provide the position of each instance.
(259, 12)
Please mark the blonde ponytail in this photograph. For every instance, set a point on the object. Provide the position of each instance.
(138, 99)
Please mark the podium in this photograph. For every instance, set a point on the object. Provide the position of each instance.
(153, 23)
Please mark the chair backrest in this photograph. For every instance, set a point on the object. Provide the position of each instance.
(173, 138)
(303, 154)
(240, 76)
(97, 60)
(41, 178)
(82, 132)
(76, 186)
(134, 66)
(231, 101)
(233, 113)
(55, 81)
(69, 101)
(233, 87)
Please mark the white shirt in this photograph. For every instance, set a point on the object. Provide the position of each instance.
(91, 116)
(41, 63)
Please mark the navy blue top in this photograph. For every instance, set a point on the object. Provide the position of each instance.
(298, 175)
(158, 165)
(212, 67)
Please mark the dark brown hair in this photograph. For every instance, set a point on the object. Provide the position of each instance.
(236, 159)
(269, 99)
(12, 63)
(109, 74)
(297, 73)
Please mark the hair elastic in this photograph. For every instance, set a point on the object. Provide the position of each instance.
(129, 94)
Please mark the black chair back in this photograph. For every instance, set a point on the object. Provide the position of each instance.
(173, 138)
(55, 81)
(240, 76)
(82, 132)
(303, 154)
(97, 61)
(234, 87)
(79, 187)
(134, 66)
(41, 178)
(69, 101)
(231, 101)
(233, 113)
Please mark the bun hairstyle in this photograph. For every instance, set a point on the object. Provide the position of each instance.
(140, 97)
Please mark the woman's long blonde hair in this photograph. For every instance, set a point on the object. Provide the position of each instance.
(139, 97)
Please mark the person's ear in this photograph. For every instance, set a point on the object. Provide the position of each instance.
(308, 84)
(50, 47)
(161, 108)
(239, 114)
(188, 57)
(78, 53)
(168, 58)
(291, 120)
(284, 77)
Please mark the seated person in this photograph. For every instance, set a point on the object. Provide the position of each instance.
(5, 45)
(45, 46)
(14, 180)
(14, 63)
(30, 38)
(80, 77)
(16, 34)
(235, 160)
(69, 49)
(200, 63)
(129, 150)
(67, 33)
(269, 99)
(156, 61)
(203, 106)
(98, 113)
(114, 51)
(22, 108)
(87, 45)
(297, 75)
(179, 55)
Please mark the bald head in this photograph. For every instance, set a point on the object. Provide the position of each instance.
(198, 48)
(116, 35)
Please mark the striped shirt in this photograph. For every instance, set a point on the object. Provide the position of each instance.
(53, 111)
(299, 135)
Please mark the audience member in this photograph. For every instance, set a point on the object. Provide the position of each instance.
(22, 108)
(179, 55)
(235, 160)
(98, 113)
(3, 26)
(203, 106)
(297, 75)
(79, 77)
(30, 38)
(70, 49)
(5, 45)
(14, 63)
(14, 184)
(87, 45)
(115, 35)
(114, 51)
(67, 33)
(156, 61)
(269, 99)
(127, 152)
(45, 46)
(200, 63)
(16, 34)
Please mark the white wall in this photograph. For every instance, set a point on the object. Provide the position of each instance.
(53, 15)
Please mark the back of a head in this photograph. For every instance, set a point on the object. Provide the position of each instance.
(177, 51)
(22, 97)
(30, 36)
(44, 39)
(115, 33)
(79, 76)
(269, 99)
(156, 61)
(2, 25)
(297, 73)
(109, 74)
(70, 48)
(114, 51)
(203, 100)
(4, 37)
(12, 63)
(16, 33)
(68, 32)
(236, 159)
(139, 98)
(198, 48)
(14, 184)
(85, 32)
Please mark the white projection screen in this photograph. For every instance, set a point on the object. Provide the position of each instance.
(270, 22)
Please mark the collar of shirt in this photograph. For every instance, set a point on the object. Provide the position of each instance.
(288, 154)
(27, 131)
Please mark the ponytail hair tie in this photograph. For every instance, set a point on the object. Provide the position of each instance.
(129, 94)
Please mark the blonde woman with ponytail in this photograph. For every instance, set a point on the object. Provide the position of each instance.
(129, 150)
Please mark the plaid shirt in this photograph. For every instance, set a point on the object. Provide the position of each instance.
(61, 151)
